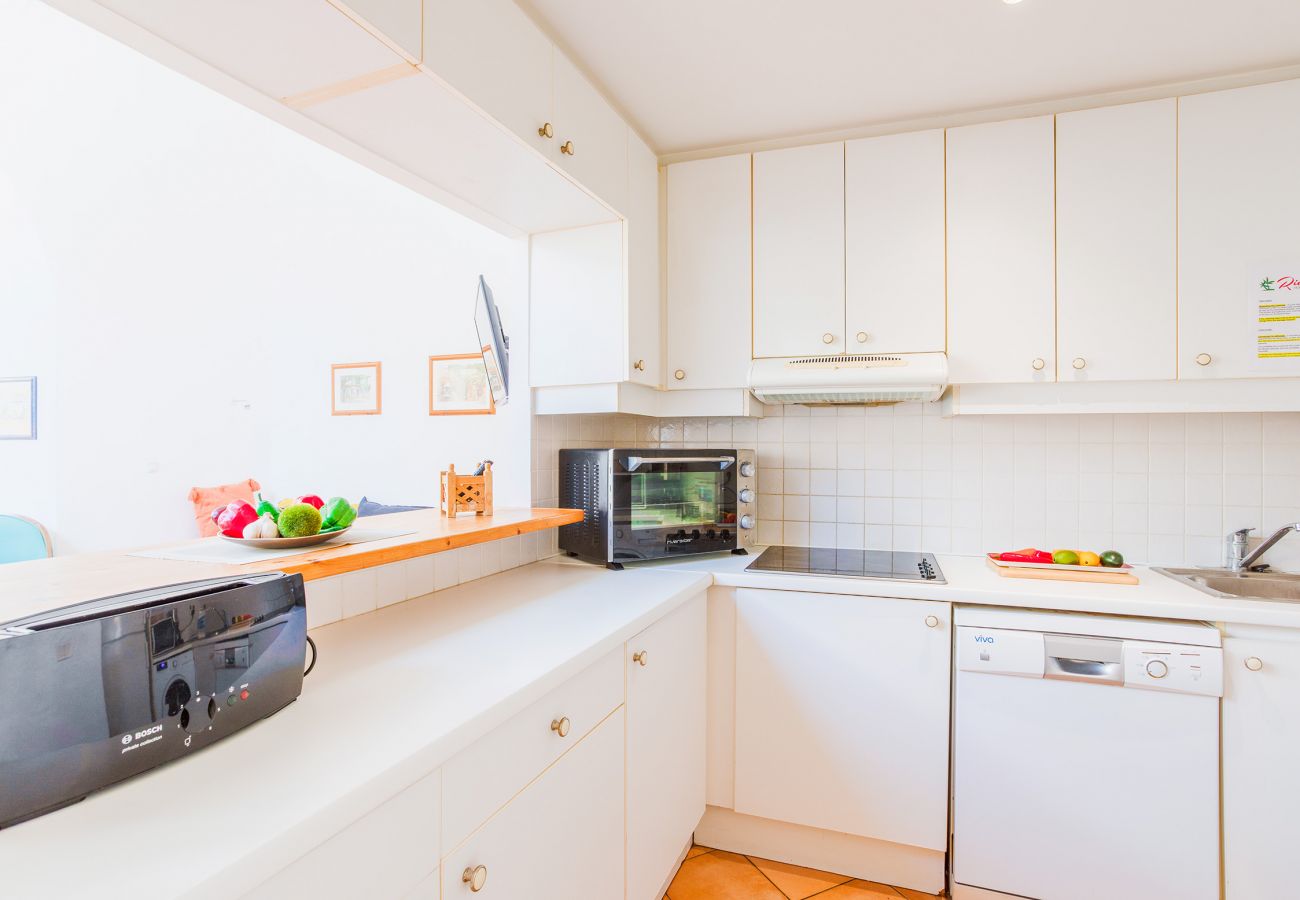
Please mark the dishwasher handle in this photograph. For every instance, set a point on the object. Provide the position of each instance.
(1091, 670)
(1073, 657)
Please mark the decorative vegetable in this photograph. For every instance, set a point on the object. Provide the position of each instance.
(1112, 559)
(337, 513)
(267, 508)
(233, 518)
(1028, 555)
(1087, 558)
(299, 520)
(1065, 558)
(262, 527)
(312, 500)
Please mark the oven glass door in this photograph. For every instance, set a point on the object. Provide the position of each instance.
(669, 502)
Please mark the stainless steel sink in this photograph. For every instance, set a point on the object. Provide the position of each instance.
(1248, 585)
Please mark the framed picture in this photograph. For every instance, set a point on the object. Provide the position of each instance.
(18, 409)
(357, 389)
(458, 386)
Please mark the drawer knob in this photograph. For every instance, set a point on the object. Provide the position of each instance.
(862, 337)
(828, 338)
(567, 148)
(1254, 663)
(679, 374)
(931, 621)
(1079, 362)
(641, 657)
(639, 365)
(546, 130)
(1039, 364)
(1204, 359)
(475, 877)
(561, 726)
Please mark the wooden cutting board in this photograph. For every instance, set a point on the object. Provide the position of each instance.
(1101, 576)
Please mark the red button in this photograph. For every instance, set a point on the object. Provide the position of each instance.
(243, 695)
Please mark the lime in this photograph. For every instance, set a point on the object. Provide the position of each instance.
(1065, 558)
(1112, 559)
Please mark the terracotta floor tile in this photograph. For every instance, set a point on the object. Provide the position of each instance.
(796, 882)
(860, 890)
(720, 875)
(697, 850)
(918, 895)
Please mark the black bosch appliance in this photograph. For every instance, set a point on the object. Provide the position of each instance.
(882, 565)
(647, 503)
(95, 693)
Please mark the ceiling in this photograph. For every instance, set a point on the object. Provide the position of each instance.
(693, 74)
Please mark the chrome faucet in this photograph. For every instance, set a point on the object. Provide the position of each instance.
(1239, 560)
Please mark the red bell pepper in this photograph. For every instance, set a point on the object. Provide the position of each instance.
(311, 500)
(1028, 555)
(234, 516)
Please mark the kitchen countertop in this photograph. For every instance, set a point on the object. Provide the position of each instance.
(394, 695)
(27, 588)
(971, 580)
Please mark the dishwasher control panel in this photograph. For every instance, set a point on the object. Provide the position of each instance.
(1180, 668)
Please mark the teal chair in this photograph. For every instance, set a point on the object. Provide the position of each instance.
(22, 538)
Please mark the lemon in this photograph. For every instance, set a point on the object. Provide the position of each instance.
(1089, 559)
(1065, 558)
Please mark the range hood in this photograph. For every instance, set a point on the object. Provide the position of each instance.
(850, 378)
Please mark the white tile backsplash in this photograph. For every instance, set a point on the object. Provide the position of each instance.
(1163, 488)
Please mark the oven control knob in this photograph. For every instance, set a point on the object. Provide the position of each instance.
(747, 470)
(746, 521)
(1157, 668)
(746, 495)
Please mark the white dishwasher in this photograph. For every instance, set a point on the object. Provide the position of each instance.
(1085, 757)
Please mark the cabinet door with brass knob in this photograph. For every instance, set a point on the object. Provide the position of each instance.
(591, 140)
(643, 300)
(665, 743)
(561, 837)
(1261, 781)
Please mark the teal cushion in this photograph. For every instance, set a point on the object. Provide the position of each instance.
(21, 539)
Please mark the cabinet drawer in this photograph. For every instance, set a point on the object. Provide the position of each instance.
(484, 776)
(390, 852)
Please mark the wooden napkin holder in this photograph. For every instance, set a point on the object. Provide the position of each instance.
(465, 493)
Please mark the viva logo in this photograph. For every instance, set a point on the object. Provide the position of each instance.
(1285, 283)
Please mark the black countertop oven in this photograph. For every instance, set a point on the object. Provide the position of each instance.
(654, 503)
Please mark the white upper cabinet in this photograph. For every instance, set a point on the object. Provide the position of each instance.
(644, 307)
(1116, 242)
(799, 251)
(894, 243)
(709, 273)
(399, 21)
(1001, 258)
(591, 140)
(1239, 231)
(493, 54)
(282, 49)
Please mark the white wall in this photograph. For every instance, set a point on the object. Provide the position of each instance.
(1162, 489)
(180, 273)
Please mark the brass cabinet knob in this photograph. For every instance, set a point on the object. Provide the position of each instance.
(1254, 663)
(1203, 359)
(546, 130)
(1079, 362)
(1039, 364)
(931, 621)
(475, 877)
(561, 726)
(567, 148)
(639, 365)
(862, 337)
(641, 657)
(679, 374)
(828, 338)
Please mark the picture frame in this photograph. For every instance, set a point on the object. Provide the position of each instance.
(356, 389)
(458, 386)
(18, 408)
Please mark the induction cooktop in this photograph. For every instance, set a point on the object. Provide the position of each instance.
(880, 564)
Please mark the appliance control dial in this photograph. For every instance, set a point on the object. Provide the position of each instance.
(747, 470)
(1157, 668)
(746, 521)
(745, 495)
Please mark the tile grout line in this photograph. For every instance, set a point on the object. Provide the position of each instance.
(749, 860)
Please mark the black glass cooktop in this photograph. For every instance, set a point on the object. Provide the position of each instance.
(882, 564)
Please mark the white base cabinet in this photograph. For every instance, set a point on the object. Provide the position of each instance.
(665, 745)
(1261, 781)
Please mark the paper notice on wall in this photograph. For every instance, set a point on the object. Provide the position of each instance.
(1275, 293)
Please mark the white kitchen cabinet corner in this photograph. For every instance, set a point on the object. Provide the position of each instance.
(591, 140)
(842, 713)
(398, 22)
(666, 673)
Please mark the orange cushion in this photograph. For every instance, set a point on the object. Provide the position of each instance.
(206, 499)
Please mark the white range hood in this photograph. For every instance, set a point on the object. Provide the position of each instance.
(850, 379)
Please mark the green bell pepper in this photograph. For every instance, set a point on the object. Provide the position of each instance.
(337, 513)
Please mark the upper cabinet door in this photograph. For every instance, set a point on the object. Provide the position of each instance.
(1116, 242)
(1001, 259)
(643, 299)
(799, 251)
(709, 273)
(893, 237)
(399, 21)
(493, 54)
(590, 139)
(1239, 232)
